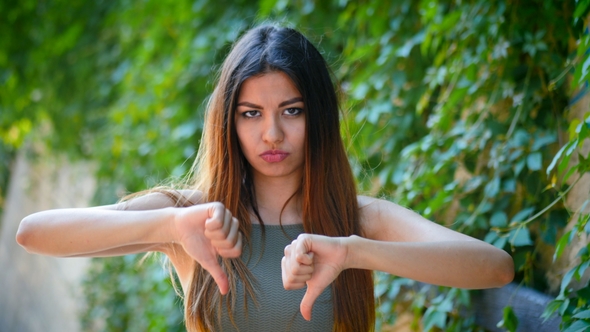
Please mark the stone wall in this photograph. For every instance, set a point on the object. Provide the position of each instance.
(39, 293)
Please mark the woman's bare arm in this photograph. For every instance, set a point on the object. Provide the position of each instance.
(143, 224)
(88, 232)
(403, 243)
(149, 223)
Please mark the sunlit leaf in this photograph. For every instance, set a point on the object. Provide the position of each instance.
(534, 161)
(522, 215)
(432, 318)
(566, 281)
(520, 237)
(556, 158)
(499, 219)
(550, 309)
(578, 326)
(562, 244)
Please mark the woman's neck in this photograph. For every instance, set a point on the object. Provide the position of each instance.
(271, 196)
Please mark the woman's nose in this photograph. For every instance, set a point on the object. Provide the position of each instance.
(273, 133)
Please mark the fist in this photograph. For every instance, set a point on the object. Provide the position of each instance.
(312, 261)
(205, 231)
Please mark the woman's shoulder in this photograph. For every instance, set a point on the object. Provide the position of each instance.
(371, 205)
(370, 212)
(381, 219)
(365, 200)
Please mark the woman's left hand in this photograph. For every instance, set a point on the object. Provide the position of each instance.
(315, 261)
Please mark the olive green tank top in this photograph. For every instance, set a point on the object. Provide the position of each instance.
(277, 309)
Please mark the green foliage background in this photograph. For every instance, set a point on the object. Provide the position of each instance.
(456, 109)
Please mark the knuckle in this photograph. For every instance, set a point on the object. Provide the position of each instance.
(289, 285)
(302, 237)
(217, 205)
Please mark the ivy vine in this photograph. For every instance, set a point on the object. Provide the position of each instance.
(461, 110)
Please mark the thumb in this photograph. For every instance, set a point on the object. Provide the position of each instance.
(309, 298)
(218, 275)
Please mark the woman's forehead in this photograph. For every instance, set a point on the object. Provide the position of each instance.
(270, 87)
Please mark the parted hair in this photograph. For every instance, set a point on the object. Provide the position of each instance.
(327, 190)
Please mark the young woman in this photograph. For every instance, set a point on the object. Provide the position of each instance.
(272, 236)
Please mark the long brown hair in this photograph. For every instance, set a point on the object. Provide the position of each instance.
(222, 173)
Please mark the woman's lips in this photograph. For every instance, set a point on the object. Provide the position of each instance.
(274, 156)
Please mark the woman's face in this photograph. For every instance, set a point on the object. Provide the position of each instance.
(270, 124)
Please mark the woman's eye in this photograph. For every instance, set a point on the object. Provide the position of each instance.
(293, 111)
(250, 114)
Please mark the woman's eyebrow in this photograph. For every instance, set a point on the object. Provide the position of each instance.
(285, 103)
(248, 104)
(291, 101)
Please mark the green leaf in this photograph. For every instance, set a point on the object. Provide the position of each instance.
(584, 130)
(499, 219)
(574, 128)
(564, 240)
(570, 172)
(509, 185)
(534, 161)
(571, 147)
(581, 269)
(491, 237)
(522, 215)
(578, 326)
(566, 281)
(500, 242)
(550, 309)
(446, 305)
(582, 315)
(493, 187)
(434, 318)
(518, 167)
(581, 8)
(520, 237)
(509, 320)
(556, 159)
(564, 306)
(583, 163)
(380, 289)
(541, 141)
(585, 67)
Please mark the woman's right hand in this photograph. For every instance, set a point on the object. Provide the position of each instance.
(205, 231)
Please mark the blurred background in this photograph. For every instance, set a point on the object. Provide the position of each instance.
(473, 113)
